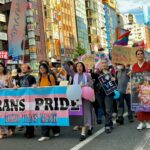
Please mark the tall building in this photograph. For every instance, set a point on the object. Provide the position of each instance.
(146, 10)
(4, 12)
(34, 42)
(147, 34)
(60, 27)
(93, 24)
(138, 32)
(102, 24)
(81, 22)
(111, 21)
(69, 26)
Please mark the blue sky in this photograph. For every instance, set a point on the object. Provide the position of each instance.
(137, 7)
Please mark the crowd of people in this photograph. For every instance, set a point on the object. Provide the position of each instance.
(102, 108)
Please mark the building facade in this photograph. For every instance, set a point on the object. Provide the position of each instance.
(34, 42)
(138, 32)
(111, 21)
(60, 28)
(93, 24)
(102, 24)
(81, 23)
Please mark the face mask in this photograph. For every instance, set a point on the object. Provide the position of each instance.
(119, 67)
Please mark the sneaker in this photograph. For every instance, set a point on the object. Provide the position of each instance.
(141, 126)
(107, 130)
(147, 124)
(56, 134)
(82, 137)
(76, 128)
(43, 139)
(120, 120)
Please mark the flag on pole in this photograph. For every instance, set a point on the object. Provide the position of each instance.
(123, 39)
(16, 27)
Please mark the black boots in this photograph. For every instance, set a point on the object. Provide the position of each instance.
(120, 120)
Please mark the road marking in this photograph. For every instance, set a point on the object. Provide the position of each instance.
(88, 140)
(145, 140)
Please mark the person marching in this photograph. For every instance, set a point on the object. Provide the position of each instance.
(47, 79)
(83, 79)
(26, 80)
(123, 78)
(139, 67)
(106, 101)
(5, 82)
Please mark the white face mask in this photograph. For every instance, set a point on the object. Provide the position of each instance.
(119, 67)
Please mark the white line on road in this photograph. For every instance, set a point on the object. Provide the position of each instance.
(145, 140)
(88, 140)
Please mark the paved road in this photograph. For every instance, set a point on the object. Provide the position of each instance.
(124, 137)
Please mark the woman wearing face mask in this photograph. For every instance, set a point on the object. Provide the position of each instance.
(142, 66)
(123, 80)
(82, 78)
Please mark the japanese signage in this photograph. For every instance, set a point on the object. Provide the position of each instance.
(140, 91)
(3, 36)
(2, 18)
(4, 55)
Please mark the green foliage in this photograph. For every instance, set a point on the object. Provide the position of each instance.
(79, 51)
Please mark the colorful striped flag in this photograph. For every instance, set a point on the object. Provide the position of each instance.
(123, 39)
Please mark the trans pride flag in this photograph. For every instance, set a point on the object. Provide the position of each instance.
(123, 39)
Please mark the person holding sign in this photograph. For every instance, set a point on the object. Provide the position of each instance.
(139, 67)
(47, 79)
(106, 93)
(83, 79)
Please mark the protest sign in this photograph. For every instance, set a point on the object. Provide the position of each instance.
(140, 91)
(37, 106)
(124, 55)
(89, 61)
(108, 85)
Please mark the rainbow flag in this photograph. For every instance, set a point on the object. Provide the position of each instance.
(123, 39)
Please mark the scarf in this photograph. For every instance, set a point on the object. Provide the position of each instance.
(76, 78)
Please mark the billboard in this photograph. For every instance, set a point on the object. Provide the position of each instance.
(16, 27)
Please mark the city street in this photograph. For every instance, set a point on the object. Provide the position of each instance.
(75, 62)
(124, 137)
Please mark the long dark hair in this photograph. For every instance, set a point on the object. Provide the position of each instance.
(5, 70)
(47, 71)
(83, 66)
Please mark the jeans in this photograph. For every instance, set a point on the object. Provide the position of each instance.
(121, 107)
(98, 107)
(30, 130)
(107, 106)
